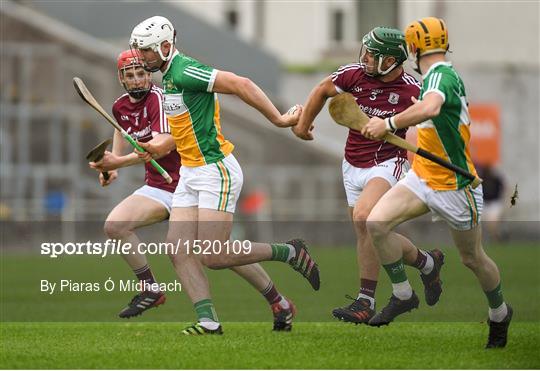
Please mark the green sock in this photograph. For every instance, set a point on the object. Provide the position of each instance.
(396, 271)
(280, 251)
(205, 309)
(495, 297)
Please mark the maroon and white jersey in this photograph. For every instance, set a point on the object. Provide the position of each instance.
(375, 98)
(143, 120)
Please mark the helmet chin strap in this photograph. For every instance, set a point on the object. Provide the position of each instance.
(164, 59)
(156, 68)
(380, 72)
(415, 63)
(388, 70)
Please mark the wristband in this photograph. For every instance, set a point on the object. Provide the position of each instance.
(390, 126)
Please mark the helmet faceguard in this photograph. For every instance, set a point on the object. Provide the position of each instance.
(413, 58)
(130, 60)
(382, 42)
(150, 34)
(426, 36)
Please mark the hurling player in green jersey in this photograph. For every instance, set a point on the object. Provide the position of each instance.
(442, 118)
(210, 177)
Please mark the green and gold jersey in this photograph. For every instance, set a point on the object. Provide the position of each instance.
(193, 111)
(446, 135)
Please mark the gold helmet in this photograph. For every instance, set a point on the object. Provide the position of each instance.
(427, 36)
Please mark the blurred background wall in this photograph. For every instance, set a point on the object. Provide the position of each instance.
(285, 47)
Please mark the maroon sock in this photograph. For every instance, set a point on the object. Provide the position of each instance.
(367, 287)
(421, 260)
(145, 274)
(271, 294)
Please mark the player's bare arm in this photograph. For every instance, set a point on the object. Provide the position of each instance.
(160, 146)
(419, 112)
(314, 104)
(111, 162)
(249, 92)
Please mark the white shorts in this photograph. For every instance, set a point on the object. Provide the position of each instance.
(215, 186)
(356, 178)
(159, 195)
(461, 209)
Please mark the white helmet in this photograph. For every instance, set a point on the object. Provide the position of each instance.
(151, 32)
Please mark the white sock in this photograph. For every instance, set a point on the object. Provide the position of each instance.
(371, 300)
(402, 290)
(152, 287)
(292, 252)
(429, 263)
(207, 323)
(283, 303)
(498, 314)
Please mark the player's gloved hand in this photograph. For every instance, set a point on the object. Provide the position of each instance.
(291, 117)
(109, 162)
(375, 129)
(113, 174)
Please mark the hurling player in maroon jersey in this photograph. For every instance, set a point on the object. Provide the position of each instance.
(371, 167)
(140, 113)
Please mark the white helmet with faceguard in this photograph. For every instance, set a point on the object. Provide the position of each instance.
(150, 34)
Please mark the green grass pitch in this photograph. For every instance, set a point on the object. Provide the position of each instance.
(80, 330)
(251, 345)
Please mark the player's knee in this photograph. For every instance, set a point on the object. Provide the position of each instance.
(174, 241)
(179, 256)
(178, 252)
(360, 216)
(114, 229)
(377, 230)
(471, 261)
(213, 261)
